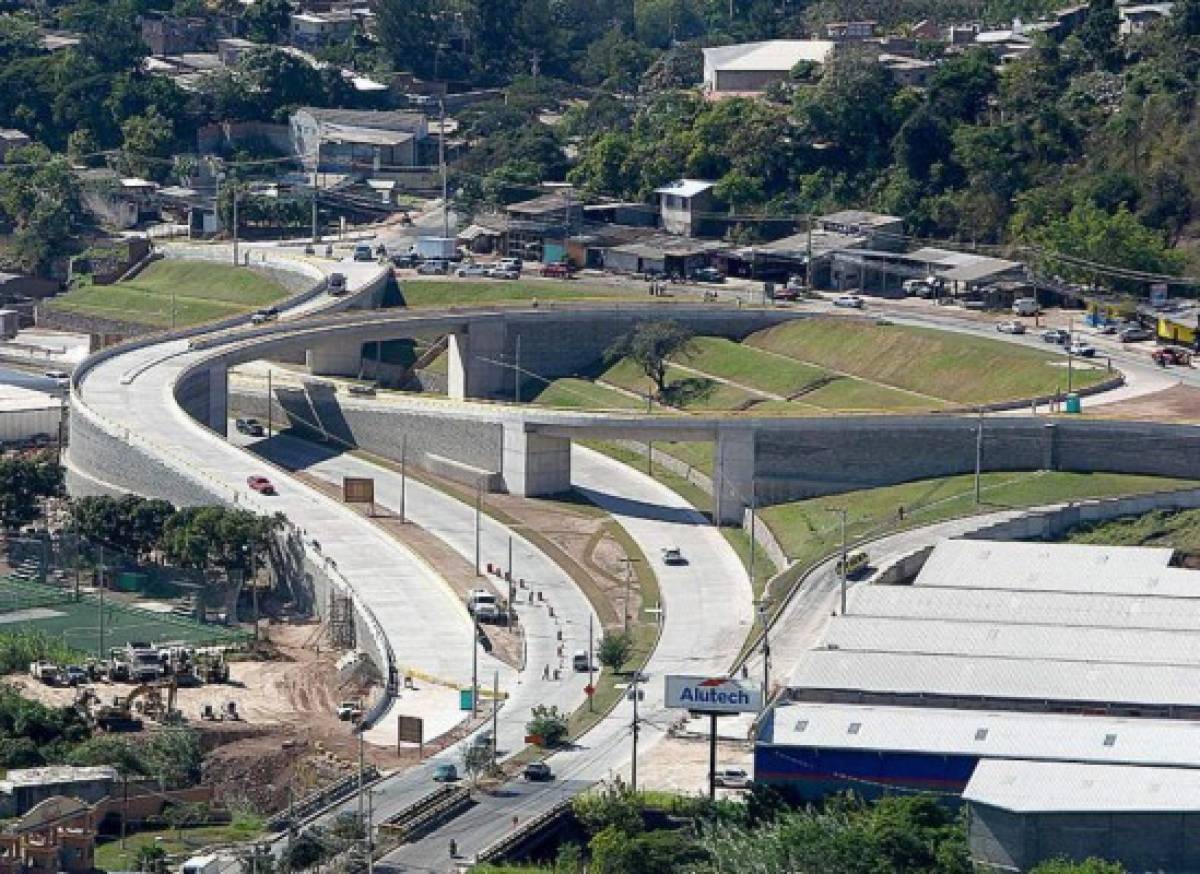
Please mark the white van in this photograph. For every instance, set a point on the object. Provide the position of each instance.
(1026, 306)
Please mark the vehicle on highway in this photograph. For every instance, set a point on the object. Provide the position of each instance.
(405, 260)
(848, 300)
(1012, 326)
(794, 290)
(260, 484)
(251, 427)
(538, 772)
(269, 314)
(732, 778)
(1135, 334)
(929, 286)
(581, 662)
(445, 773)
(1083, 350)
(1107, 329)
(362, 252)
(558, 271)
(673, 555)
(1056, 335)
(511, 264)
(472, 269)
(337, 284)
(60, 378)
(707, 274)
(1172, 355)
(433, 267)
(366, 391)
(1026, 306)
(500, 271)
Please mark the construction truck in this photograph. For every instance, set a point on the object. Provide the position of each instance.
(117, 666)
(211, 667)
(144, 662)
(44, 672)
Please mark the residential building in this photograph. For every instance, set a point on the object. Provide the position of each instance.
(559, 207)
(231, 49)
(685, 206)
(356, 141)
(907, 72)
(12, 139)
(790, 256)
(750, 68)
(58, 40)
(882, 232)
(310, 30)
(1136, 19)
(167, 34)
(850, 31)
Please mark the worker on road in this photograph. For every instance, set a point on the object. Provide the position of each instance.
(453, 849)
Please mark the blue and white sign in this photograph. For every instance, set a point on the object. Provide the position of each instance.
(712, 695)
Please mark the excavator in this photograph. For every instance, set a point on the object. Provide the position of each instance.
(122, 714)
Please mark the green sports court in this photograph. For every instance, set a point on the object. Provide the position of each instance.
(30, 606)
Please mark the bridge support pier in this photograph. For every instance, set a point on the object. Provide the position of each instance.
(733, 474)
(335, 359)
(534, 464)
(218, 400)
(476, 361)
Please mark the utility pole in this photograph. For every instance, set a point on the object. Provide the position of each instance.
(637, 694)
(591, 666)
(254, 593)
(172, 308)
(235, 222)
(478, 514)
(766, 650)
(474, 667)
(1070, 356)
(362, 767)
(442, 162)
(517, 372)
(842, 512)
(316, 237)
(628, 562)
(403, 475)
(808, 283)
(101, 582)
(753, 521)
(270, 404)
(495, 711)
(511, 577)
(370, 836)
(979, 459)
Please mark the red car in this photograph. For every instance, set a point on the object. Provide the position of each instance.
(260, 484)
(557, 271)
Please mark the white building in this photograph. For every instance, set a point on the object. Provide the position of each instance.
(683, 205)
(749, 68)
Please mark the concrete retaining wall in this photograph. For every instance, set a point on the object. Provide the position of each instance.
(1053, 524)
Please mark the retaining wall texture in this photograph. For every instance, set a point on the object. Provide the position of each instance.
(1053, 524)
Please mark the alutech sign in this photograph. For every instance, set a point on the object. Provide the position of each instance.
(712, 695)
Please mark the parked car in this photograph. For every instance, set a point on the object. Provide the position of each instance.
(1171, 355)
(337, 284)
(261, 484)
(673, 555)
(732, 778)
(558, 271)
(445, 773)
(707, 274)
(366, 391)
(250, 427)
(538, 772)
(927, 287)
(265, 315)
(848, 300)
(405, 260)
(362, 252)
(580, 662)
(1108, 328)
(434, 267)
(1012, 326)
(74, 675)
(1136, 334)
(1056, 335)
(1026, 306)
(501, 271)
(472, 270)
(512, 264)
(1083, 350)
(60, 378)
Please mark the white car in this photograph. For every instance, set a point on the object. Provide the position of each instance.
(472, 270)
(1011, 327)
(848, 300)
(673, 555)
(732, 778)
(502, 272)
(435, 267)
(1083, 350)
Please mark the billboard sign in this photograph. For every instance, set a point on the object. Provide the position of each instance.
(712, 695)
(358, 490)
(410, 729)
(1158, 294)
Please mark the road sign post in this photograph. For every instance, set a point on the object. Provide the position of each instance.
(712, 697)
(359, 490)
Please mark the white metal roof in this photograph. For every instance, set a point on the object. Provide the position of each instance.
(1130, 685)
(1021, 607)
(1067, 567)
(998, 734)
(998, 639)
(685, 187)
(1070, 787)
(774, 55)
(54, 774)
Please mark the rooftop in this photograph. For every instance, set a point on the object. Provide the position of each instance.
(55, 774)
(1064, 567)
(365, 118)
(555, 202)
(778, 55)
(987, 733)
(859, 218)
(685, 187)
(1023, 786)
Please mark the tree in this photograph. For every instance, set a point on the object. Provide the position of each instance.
(180, 816)
(1099, 31)
(151, 857)
(408, 30)
(266, 20)
(738, 189)
(148, 142)
(476, 760)
(615, 648)
(39, 200)
(303, 852)
(24, 482)
(614, 806)
(651, 345)
(1088, 866)
(548, 724)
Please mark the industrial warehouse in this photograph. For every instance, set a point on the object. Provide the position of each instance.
(1053, 688)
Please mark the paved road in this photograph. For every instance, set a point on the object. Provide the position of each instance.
(708, 614)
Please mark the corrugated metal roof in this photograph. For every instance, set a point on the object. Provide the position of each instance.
(1068, 787)
(1018, 607)
(775, 55)
(1043, 680)
(685, 187)
(1066, 567)
(999, 639)
(938, 731)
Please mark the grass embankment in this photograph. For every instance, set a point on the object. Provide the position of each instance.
(574, 393)
(1176, 529)
(807, 530)
(111, 856)
(472, 292)
(954, 367)
(203, 292)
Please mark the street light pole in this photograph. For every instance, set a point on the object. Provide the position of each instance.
(474, 667)
(442, 162)
(478, 513)
(403, 475)
(235, 222)
(270, 404)
(842, 512)
(591, 668)
(628, 562)
(633, 761)
(766, 650)
(979, 459)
